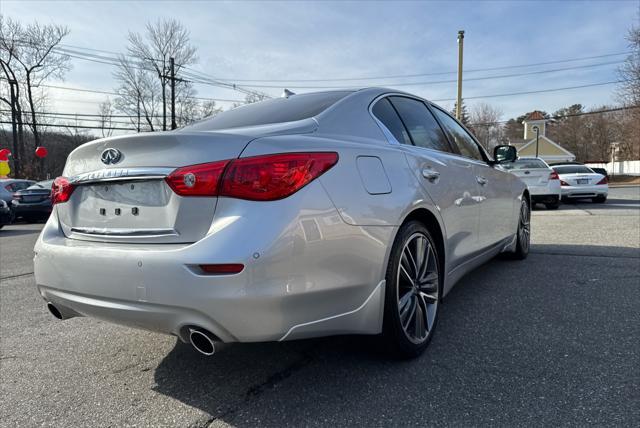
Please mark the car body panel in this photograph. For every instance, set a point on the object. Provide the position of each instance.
(314, 262)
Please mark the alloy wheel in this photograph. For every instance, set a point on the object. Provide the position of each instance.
(418, 288)
(524, 226)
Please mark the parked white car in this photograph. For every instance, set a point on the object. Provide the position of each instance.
(581, 182)
(541, 180)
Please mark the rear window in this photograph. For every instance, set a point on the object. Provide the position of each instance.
(572, 169)
(525, 164)
(276, 110)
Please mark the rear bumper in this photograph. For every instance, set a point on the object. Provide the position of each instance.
(306, 274)
(591, 191)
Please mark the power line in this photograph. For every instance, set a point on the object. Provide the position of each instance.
(435, 82)
(539, 91)
(440, 73)
(586, 113)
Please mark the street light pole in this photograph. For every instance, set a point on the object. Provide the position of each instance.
(535, 128)
(459, 95)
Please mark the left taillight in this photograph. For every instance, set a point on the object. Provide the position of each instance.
(603, 181)
(61, 190)
(554, 176)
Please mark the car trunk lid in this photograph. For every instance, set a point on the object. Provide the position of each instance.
(130, 201)
(533, 176)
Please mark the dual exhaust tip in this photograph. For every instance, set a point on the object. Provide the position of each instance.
(202, 340)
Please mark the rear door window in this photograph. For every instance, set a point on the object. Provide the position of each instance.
(387, 115)
(459, 136)
(423, 129)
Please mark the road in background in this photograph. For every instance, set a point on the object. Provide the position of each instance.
(550, 340)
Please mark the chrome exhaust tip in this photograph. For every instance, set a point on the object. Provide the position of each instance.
(55, 311)
(60, 312)
(202, 340)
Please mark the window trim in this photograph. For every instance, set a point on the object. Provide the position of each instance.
(486, 159)
(453, 148)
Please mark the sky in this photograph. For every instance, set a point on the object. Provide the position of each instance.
(287, 41)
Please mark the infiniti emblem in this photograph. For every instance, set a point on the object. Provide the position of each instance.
(111, 156)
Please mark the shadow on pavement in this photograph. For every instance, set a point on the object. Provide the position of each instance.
(550, 340)
(11, 230)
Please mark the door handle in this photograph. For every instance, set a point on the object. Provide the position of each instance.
(481, 180)
(430, 175)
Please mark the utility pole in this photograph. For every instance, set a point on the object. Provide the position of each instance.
(173, 93)
(14, 130)
(537, 130)
(459, 97)
(138, 110)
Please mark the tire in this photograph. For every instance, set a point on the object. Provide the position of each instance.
(523, 241)
(413, 289)
(599, 199)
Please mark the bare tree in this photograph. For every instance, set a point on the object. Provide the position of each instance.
(485, 122)
(105, 110)
(39, 61)
(137, 94)
(209, 109)
(630, 70)
(163, 40)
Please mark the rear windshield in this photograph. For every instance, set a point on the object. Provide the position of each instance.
(276, 110)
(525, 164)
(572, 169)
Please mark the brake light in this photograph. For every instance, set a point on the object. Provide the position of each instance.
(197, 180)
(61, 190)
(603, 181)
(554, 176)
(564, 183)
(272, 177)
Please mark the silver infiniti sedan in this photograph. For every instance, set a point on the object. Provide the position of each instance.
(343, 212)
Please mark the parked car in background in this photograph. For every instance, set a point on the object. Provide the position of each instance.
(33, 203)
(541, 180)
(342, 212)
(581, 182)
(601, 171)
(8, 186)
(5, 214)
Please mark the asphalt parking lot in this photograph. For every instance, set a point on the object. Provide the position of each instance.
(553, 340)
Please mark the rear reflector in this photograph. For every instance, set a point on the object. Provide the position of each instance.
(603, 181)
(222, 269)
(554, 176)
(61, 190)
(272, 177)
(197, 180)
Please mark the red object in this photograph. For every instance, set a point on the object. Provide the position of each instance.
(564, 183)
(554, 176)
(4, 155)
(603, 181)
(258, 178)
(61, 190)
(222, 269)
(197, 180)
(272, 177)
(41, 152)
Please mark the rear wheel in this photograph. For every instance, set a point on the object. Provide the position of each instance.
(599, 199)
(412, 293)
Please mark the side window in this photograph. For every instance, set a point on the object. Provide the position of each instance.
(462, 139)
(422, 126)
(385, 113)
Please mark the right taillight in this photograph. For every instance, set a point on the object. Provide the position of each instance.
(61, 190)
(271, 177)
(258, 178)
(564, 183)
(603, 181)
(554, 176)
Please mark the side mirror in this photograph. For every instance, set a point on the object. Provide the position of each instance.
(504, 154)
